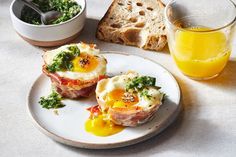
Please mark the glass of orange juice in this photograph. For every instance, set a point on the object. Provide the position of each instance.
(200, 35)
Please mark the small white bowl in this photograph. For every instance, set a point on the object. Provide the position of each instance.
(48, 35)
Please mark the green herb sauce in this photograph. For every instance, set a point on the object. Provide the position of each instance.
(68, 8)
(140, 84)
(63, 60)
(52, 101)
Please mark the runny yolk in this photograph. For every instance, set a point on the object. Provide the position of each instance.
(84, 63)
(120, 98)
(99, 125)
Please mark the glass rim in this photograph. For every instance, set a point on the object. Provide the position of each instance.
(197, 31)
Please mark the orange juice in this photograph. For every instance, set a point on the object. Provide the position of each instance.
(200, 53)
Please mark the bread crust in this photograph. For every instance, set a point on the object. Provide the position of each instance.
(134, 33)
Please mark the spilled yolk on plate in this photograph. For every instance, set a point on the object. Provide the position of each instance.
(84, 63)
(99, 125)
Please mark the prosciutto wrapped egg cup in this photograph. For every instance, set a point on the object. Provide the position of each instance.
(129, 99)
(74, 69)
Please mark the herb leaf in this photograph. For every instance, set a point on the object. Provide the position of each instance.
(53, 101)
(164, 97)
(145, 94)
(75, 50)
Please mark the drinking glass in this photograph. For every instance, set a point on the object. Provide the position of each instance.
(200, 35)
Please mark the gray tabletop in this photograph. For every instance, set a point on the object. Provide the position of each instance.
(206, 127)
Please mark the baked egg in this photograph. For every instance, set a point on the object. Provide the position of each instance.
(87, 65)
(125, 100)
(74, 69)
(113, 92)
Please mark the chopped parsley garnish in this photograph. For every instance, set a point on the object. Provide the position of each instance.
(68, 8)
(74, 49)
(63, 61)
(145, 94)
(140, 84)
(52, 101)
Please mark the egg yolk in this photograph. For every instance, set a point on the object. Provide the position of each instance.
(119, 98)
(84, 63)
(99, 125)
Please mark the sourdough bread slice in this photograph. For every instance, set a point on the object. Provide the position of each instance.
(134, 22)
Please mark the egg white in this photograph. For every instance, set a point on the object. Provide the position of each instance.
(84, 48)
(105, 86)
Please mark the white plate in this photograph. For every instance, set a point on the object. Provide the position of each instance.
(68, 126)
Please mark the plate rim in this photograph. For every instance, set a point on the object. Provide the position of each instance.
(109, 145)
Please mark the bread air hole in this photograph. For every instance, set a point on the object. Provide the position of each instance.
(120, 40)
(139, 4)
(149, 8)
(142, 13)
(140, 25)
(162, 27)
(132, 35)
(121, 4)
(133, 19)
(115, 25)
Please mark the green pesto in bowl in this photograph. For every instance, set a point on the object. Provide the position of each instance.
(68, 8)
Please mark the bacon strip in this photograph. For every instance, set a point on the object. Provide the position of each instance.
(70, 88)
(131, 116)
